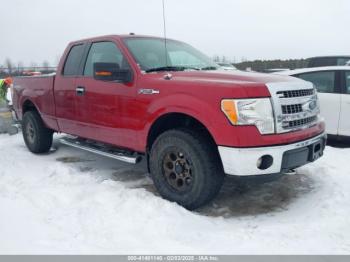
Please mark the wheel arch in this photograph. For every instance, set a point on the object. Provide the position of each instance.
(173, 120)
(176, 120)
(28, 105)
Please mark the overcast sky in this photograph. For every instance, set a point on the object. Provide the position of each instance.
(38, 30)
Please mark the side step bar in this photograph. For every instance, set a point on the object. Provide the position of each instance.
(102, 149)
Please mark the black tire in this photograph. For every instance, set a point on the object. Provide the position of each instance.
(37, 137)
(200, 168)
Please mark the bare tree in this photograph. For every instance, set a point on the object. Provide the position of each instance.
(45, 65)
(33, 66)
(19, 66)
(243, 59)
(224, 59)
(216, 58)
(8, 64)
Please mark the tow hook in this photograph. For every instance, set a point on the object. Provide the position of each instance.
(290, 172)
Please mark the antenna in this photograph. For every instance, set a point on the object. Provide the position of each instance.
(164, 29)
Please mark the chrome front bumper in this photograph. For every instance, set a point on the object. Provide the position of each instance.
(244, 161)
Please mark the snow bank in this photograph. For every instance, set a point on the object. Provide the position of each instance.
(72, 202)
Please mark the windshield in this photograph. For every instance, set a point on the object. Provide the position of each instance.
(150, 54)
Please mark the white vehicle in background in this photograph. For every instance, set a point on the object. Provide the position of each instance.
(227, 66)
(319, 61)
(333, 86)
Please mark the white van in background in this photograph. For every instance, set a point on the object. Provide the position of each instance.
(333, 86)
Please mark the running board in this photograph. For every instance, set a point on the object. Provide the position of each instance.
(102, 149)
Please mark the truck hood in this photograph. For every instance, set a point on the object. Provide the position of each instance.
(237, 84)
(231, 77)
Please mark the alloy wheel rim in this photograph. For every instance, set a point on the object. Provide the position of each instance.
(30, 132)
(178, 170)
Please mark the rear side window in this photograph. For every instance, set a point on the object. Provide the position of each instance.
(324, 81)
(104, 52)
(72, 63)
(347, 81)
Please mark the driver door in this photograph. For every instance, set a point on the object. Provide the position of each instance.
(104, 107)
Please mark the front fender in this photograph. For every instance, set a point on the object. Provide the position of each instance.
(181, 103)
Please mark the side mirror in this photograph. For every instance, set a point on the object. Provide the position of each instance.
(111, 72)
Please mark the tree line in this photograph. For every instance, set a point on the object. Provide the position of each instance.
(263, 65)
(9, 68)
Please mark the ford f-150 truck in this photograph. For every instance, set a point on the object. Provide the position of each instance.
(138, 97)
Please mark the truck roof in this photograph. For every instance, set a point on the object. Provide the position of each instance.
(121, 36)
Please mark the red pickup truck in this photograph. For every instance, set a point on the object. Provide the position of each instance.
(137, 97)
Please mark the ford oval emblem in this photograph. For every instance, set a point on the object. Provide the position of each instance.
(312, 105)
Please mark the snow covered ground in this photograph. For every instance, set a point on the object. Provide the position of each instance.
(73, 202)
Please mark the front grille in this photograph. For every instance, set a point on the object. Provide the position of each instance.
(292, 109)
(300, 122)
(296, 93)
(295, 105)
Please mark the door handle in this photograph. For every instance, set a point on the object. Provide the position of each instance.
(145, 91)
(80, 90)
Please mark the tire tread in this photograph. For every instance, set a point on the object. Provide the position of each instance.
(44, 135)
(206, 153)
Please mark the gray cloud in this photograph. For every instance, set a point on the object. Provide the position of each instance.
(37, 30)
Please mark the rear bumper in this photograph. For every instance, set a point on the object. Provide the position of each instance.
(275, 159)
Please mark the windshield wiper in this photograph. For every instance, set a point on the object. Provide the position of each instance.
(170, 68)
(165, 68)
(209, 68)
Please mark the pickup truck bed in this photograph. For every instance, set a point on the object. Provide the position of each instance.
(40, 90)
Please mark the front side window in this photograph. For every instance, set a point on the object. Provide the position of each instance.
(104, 52)
(153, 53)
(71, 66)
(324, 81)
(347, 81)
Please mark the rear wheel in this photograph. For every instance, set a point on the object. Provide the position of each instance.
(37, 137)
(185, 168)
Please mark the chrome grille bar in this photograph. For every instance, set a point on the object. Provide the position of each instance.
(292, 109)
(299, 122)
(296, 93)
(295, 105)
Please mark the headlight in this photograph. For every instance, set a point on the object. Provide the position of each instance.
(256, 112)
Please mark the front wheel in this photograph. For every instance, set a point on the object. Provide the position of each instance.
(185, 168)
(37, 137)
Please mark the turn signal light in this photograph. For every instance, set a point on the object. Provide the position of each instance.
(103, 73)
(228, 106)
